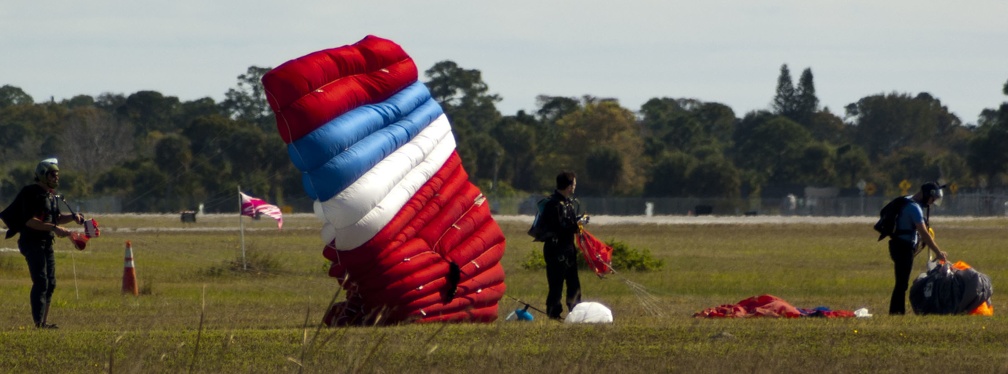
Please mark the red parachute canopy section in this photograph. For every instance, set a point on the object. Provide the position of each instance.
(401, 272)
(410, 239)
(769, 306)
(597, 254)
(307, 92)
(756, 306)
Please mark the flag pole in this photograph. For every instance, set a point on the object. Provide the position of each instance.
(241, 225)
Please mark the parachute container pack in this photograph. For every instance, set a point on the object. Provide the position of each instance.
(951, 289)
(409, 237)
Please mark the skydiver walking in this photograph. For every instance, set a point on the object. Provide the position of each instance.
(560, 223)
(35, 214)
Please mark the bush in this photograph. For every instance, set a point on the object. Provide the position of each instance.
(254, 263)
(534, 260)
(624, 258)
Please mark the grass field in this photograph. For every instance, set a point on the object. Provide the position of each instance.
(196, 314)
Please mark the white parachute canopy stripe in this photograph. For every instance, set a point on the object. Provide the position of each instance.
(353, 236)
(345, 167)
(253, 206)
(354, 202)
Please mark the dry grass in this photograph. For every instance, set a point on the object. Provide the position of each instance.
(265, 320)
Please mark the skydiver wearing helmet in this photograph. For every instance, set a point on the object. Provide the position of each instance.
(911, 231)
(35, 214)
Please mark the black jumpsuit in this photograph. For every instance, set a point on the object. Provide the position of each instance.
(37, 246)
(560, 220)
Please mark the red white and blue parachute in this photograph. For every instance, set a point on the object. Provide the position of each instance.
(409, 237)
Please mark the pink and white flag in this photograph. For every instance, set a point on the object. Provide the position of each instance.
(253, 206)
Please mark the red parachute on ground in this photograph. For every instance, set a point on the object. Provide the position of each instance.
(769, 306)
(409, 237)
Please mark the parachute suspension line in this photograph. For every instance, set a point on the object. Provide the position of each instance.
(476, 202)
(649, 302)
(525, 304)
(298, 151)
(279, 115)
(224, 196)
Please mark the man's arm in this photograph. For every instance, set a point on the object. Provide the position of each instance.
(928, 240)
(37, 224)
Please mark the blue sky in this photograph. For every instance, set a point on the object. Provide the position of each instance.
(727, 51)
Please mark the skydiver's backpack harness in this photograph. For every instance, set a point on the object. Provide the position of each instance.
(14, 218)
(537, 231)
(886, 225)
(889, 215)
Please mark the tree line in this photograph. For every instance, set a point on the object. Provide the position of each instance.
(157, 153)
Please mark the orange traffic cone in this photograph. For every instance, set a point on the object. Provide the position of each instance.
(129, 283)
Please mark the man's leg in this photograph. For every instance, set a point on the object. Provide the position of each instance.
(573, 285)
(40, 283)
(554, 278)
(902, 256)
(50, 263)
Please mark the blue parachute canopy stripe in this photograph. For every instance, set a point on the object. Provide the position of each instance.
(343, 169)
(318, 147)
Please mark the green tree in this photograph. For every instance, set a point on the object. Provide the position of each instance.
(519, 139)
(988, 156)
(141, 185)
(714, 177)
(247, 101)
(79, 101)
(94, 141)
(487, 155)
(204, 107)
(173, 157)
(912, 164)
(668, 120)
(668, 176)
(13, 136)
(815, 166)
(149, 111)
(10, 95)
(602, 123)
(550, 109)
(31, 132)
(718, 121)
(852, 165)
(885, 123)
(954, 167)
(806, 104)
(774, 149)
(828, 127)
(172, 154)
(604, 167)
(110, 101)
(471, 109)
(227, 153)
(784, 102)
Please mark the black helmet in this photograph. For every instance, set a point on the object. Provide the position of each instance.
(932, 189)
